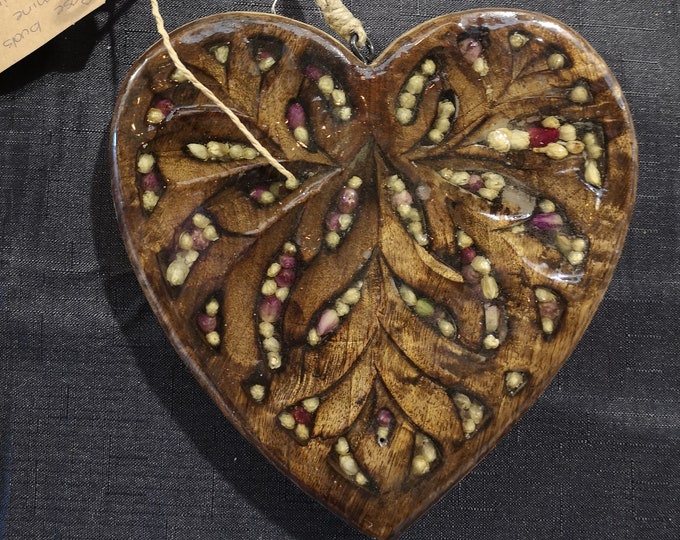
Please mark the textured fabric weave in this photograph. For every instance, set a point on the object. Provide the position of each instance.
(104, 433)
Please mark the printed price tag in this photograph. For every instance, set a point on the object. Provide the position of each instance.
(28, 24)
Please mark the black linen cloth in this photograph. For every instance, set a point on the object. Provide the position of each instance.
(104, 433)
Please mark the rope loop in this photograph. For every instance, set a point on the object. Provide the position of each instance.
(341, 20)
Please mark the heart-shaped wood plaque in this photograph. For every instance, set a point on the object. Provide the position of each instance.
(375, 325)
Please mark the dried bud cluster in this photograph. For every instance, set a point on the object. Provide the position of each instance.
(402, 202)
(555, 139)
(330, 317)
(549, 309)
(331, 91)
(196, 237)
(339, 220)
(150, 180)
(471, 413)
(412, 90)
(208, 322)
(477, 271)
(547, 220)
(299, 419)
(221, 151)
(426, 308)
(275, 288)
(425, 454)
(348, 463)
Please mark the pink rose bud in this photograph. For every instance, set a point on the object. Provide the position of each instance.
(475, 183)
(287, 261)
(151, 182)
(257, 193)
(471, 49)
(313, 72)
(206, 322)
(285, 277)
(467, 254)
(165, 106)
(200, 241)
(548, 221)
(403, 197)
(296, 116)
(348, 200)
(469, 274)
(270, 309)
(384, 418)
(551, 310)
(333, 221)
(328, 322)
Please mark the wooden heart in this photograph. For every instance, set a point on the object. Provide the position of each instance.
(375, 326)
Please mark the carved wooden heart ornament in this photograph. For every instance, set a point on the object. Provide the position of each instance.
(375, 325)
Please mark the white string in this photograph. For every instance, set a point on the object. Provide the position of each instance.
(290, 177)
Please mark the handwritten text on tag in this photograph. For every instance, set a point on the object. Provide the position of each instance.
(28, 24)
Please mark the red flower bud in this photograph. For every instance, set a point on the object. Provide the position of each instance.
(540, 136)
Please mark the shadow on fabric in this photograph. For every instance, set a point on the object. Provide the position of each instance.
(199, 418)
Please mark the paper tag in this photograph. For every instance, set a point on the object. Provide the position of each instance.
(28, 24)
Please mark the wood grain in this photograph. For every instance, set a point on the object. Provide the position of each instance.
(461, 207)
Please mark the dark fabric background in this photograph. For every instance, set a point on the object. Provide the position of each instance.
(104, 434)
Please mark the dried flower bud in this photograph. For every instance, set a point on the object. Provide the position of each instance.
(347, 200)
(326, 84)
(177, 272)
(580, 94)
(145, 163)
(198, 151)
(447, 328)
(313, 72)
(328, 322)
(489, 287)
(296, 116)
(428, 67)
(592, 173)
(470, 48)
(547, 221)
(206, 322)
(384, 418)
(404, 115)
(415, 84)
(540, 137)
(221, 53)
(499, 140)
(556, 61)
(270, 309)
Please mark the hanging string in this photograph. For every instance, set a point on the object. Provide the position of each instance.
(341, 20)
(338, 17)
(291, 181)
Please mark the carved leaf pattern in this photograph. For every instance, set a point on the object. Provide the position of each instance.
(370, 312)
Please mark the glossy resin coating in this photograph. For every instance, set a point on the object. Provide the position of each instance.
(377, 324)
